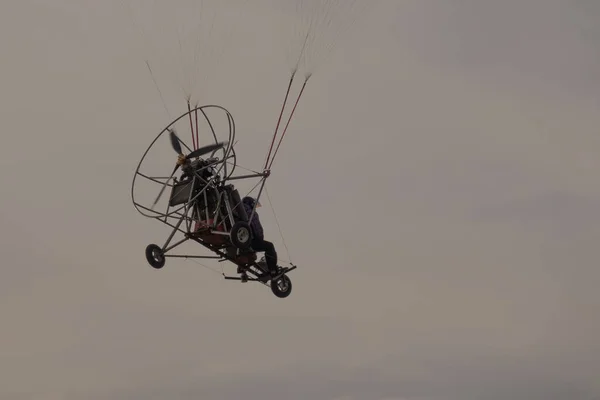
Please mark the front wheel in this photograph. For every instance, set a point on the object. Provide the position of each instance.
(155, 256)
(282, 287)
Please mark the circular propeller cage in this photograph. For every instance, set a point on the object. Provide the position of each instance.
(207, 133)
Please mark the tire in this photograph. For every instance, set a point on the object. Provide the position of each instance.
(282, 287)
(241, 235)
(155, 256)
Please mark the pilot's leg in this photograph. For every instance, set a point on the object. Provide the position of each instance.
(270, 253)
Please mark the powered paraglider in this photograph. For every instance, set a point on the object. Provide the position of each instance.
(202, 204)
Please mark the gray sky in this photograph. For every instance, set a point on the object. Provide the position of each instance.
(438, 189)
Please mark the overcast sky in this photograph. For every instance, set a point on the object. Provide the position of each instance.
(438, 189)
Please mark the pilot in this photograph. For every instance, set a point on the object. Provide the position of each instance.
(258, 240)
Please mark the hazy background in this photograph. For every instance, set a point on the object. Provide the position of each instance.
(438, 190)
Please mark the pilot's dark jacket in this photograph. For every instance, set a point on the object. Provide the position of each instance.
(255, 225)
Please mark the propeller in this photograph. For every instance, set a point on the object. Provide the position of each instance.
(196, 153)
(175, 143)
(205, 149)
(164, 187)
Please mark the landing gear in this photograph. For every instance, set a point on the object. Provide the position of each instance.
(155, 256)
(282, 286)
(280, 283)
(240, 235)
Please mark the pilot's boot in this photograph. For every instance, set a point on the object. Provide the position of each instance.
(262, 264)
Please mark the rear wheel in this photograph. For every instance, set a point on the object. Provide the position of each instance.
(240, 235)
(281, 287)
(155, 256)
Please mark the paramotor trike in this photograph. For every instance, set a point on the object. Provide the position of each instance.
(205, 207)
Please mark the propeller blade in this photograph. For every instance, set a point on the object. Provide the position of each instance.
(163, 188)
(206, 149)
(175, 142)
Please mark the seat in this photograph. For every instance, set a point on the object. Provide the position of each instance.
(237, 207)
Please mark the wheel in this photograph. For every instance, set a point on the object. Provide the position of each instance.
(241, 235)
(155, 256)
(282, 287)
